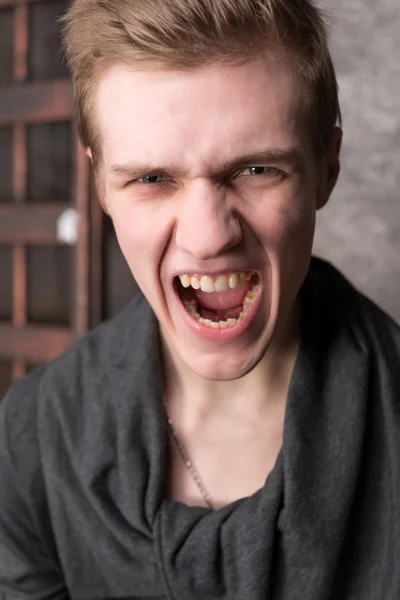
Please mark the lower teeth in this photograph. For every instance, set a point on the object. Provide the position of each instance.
(191, 307)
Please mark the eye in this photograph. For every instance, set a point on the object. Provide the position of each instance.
(257, 171)
(152, 179)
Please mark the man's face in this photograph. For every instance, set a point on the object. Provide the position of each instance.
(209, 175)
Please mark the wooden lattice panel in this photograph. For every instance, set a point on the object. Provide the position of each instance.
(29, 99)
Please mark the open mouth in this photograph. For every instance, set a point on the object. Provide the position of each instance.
(218, 302)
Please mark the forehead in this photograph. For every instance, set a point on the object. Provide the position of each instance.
(198, 116)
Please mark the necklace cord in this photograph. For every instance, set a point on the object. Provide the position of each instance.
(187, 462)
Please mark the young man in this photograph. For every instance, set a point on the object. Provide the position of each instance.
(234, 432)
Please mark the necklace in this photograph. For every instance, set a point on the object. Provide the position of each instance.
(188, 463)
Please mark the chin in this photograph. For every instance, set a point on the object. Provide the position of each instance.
(226, 364)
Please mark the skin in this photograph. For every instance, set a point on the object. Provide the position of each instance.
(205, 214)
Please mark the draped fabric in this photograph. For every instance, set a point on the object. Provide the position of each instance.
(83, 456)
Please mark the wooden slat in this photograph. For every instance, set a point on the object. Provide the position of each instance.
(42, 102)
(34, 343)
(20, 166)
(12, 3)
(20, 301)
(29, 224)
(19, 251)
(20, 42)
(19, 180)
(19, 286)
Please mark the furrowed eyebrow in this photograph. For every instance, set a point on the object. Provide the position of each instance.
(291, 157)
(135, 170)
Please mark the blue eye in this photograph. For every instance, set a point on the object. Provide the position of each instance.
(253, 171)
(151, 179)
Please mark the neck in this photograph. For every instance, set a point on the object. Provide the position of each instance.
(260, 391)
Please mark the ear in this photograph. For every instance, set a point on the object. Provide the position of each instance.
(89, 154)
(99, 184)
(331, 168)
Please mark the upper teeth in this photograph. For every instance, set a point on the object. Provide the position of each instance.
(219, 284)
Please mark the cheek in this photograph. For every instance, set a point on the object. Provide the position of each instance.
(285, 223)
(133, 227)
(142, 231)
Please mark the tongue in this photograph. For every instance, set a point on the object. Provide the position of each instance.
(223, 300)
(220, 315)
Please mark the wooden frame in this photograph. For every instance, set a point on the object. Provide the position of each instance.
(24, 224)
(36, 102)
(14, 3)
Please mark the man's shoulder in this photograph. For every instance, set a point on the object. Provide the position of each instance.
(110, 342)
(18, 422)
(368, 324)
(94, 366)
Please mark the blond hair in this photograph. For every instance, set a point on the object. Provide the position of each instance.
(185, 34)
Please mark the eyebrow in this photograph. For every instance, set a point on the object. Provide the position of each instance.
(290, 157)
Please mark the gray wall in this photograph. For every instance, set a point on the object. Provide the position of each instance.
(359, 230)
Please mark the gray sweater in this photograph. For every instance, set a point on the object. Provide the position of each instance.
(82, 463)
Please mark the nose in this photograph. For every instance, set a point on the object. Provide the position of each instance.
(207, 226)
